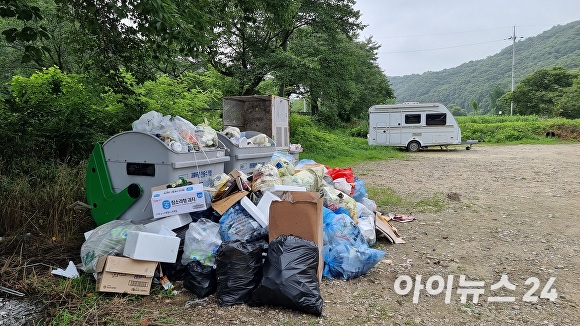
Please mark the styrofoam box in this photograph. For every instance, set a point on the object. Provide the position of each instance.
(151, 247)
(171, 222)
(265, 201)
(254, 211)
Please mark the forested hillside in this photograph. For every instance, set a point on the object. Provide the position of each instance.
(478, 80)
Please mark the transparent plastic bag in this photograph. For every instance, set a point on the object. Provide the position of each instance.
(334, 199)
(106, 240)
(366, 223)
(202, 240)
(265, 176)
(148, 122)
(310, 178)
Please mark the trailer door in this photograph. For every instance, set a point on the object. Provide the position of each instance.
(380, 130)
(394, 128)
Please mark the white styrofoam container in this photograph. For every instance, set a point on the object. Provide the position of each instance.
(265, 201)
(171, 222)
(255, 212)
(151, 247)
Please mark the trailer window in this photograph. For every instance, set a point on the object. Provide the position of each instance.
(436, 119)
(412, 119)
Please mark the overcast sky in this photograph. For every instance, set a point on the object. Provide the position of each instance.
(431, 35)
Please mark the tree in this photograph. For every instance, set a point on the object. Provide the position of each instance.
(27, 29)
(141, 37)
(253, 37)
(456, 110)
(568, 106)
(539, 92)
(493, 96)
(338, 73)
(475, 108)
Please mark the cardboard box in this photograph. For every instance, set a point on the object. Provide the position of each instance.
(173, 201)
(151, 247)
(300, 214)
(265, 201)
(124, 275)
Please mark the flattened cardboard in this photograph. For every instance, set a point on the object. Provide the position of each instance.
(382, 224)
(300, 214)
(222, 205)
(124, 275)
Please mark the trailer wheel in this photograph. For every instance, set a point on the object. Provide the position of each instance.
(413, 146)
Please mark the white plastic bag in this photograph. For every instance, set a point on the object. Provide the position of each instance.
(148, 122)
(202, 240)
(366, 223)
(106, 240)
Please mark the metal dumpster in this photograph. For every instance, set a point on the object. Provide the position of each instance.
(267, 114)
(136, 158)
(245, 159)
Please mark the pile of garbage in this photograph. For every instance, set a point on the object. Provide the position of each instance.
(176, 132)
(263, 238)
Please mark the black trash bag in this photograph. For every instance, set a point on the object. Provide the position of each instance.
(174, 271)
(290, 276)
(239, 270)
(200, 279)
(206, 213)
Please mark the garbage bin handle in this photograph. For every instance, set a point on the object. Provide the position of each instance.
(186, 164)
(252, 155)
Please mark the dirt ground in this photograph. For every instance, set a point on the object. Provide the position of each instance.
(509, 210)
(512, 210)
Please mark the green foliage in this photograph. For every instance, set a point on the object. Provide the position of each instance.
(568, 105)
(456, 110)
(25, 28)
(253, 38)
(50, 114)
(517, 129)
(479, 79)
(339, 75)
(333, 147)
(539, 92)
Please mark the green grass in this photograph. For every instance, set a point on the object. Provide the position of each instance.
(335, 148)
(518, 129)
(387, 199)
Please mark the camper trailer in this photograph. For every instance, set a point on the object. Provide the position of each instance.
(414, 126)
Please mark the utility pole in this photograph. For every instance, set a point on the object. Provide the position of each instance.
(513, 38)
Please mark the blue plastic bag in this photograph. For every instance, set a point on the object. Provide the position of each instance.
(360, 191)
(341, 229)
(346, 253)
(238, 224)
(348, 262)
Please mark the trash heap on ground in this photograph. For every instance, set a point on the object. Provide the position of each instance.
(262, 233)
